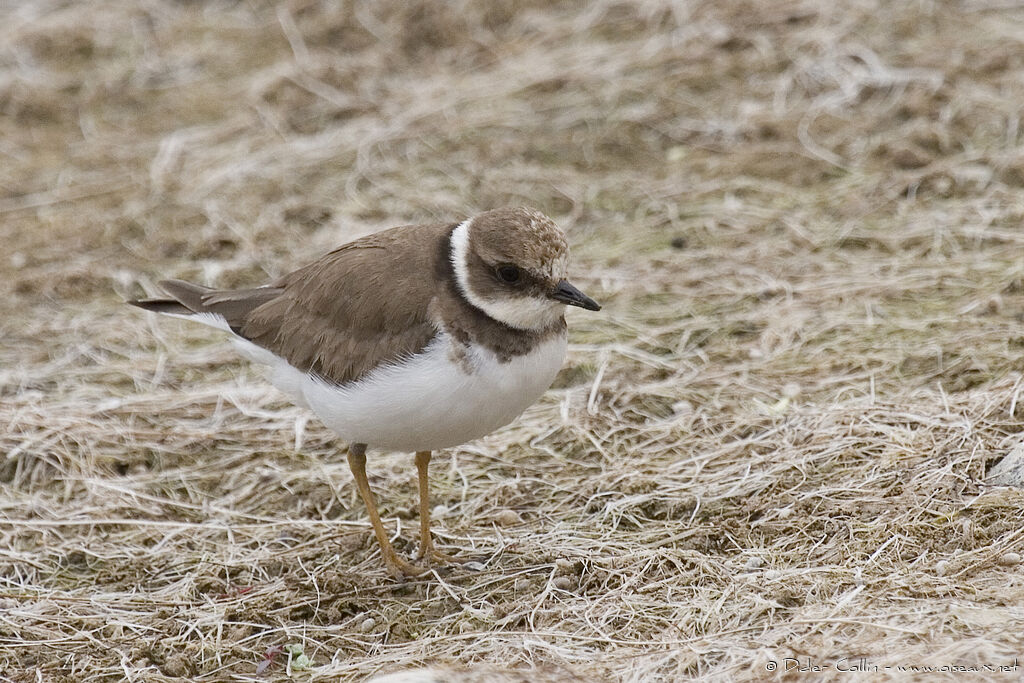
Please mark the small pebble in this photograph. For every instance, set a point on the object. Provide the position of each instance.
(941, 568)
(754, 563)
(439, 511)
(676, 153)
(562, 583)
(682, 407)
(678, 242)
(1009, 559)
(177, 665)
(508, 518)
(367, 624)
(521, 585)
(563, 565)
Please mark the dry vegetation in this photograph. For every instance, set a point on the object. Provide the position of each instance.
(804, 219)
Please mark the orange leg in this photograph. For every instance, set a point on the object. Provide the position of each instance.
(427, 549)
(396, 566)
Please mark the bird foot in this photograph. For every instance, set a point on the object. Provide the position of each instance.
(401, 568)
(435, 556)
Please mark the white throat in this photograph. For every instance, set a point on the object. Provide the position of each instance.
(522, 312)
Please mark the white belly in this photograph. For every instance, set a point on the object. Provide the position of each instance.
(429, 402)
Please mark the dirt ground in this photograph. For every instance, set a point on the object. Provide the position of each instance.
(765, 458)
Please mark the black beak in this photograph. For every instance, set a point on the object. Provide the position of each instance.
(568, 294)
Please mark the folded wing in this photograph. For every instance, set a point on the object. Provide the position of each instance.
(364, 304)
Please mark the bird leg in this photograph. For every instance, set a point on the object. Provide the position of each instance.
(396, 566)
(427, 548)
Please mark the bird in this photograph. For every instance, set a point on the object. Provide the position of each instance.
(417, 338)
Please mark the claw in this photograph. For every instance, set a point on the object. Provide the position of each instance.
(435, 556)
(400, 568)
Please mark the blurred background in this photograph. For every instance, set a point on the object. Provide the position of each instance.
(803, 218)
(230, 134)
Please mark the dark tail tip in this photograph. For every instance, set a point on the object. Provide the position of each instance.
(161, 306)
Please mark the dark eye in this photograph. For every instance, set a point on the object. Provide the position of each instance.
(508, 274)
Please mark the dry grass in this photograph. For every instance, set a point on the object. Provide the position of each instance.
(804, 221)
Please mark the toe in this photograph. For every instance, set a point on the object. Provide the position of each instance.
(400, 568)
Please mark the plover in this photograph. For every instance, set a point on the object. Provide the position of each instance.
(417, 338)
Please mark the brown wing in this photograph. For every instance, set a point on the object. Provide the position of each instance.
(361, 305)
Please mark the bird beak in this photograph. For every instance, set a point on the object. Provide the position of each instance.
(568, 294)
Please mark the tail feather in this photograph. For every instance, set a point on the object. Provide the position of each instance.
(165, 306)
(218, 307)
(187, 294)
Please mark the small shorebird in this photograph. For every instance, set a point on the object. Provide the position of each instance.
(417, 338)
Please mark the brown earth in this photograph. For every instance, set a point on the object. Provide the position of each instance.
(804, 221)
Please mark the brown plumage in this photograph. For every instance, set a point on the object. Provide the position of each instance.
(375, 300)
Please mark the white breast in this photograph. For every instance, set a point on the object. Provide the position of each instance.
(433, 400)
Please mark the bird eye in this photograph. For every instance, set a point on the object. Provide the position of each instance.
(508, 274)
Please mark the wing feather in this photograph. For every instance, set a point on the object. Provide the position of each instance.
(364, 304)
